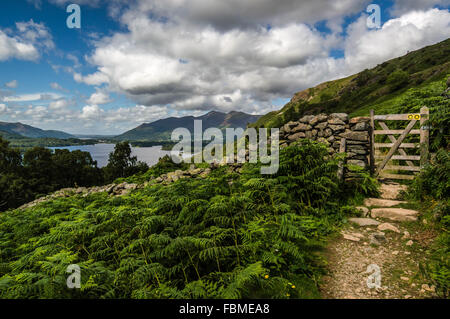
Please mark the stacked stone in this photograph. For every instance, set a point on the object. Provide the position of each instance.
(330, 129)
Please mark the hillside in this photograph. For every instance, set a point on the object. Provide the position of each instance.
(161, 130)
(387, 88)
(30, 131)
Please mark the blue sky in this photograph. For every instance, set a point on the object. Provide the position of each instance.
(142, 60)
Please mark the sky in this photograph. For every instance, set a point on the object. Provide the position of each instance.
(134, 62)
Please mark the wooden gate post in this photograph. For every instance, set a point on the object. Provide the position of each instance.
(372, 142)
(424, 136)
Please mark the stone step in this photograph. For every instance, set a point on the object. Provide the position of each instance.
(370, 202)
(396, 214)
(364, 221)
(391, 190)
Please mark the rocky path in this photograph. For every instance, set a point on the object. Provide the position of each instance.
(385, 237)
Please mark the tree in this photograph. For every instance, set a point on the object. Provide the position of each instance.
(122, 164)
(39, 170)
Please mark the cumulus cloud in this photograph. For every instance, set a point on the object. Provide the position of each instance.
(26, 42)
(32, 97)
(3, 109)
(403, 6)
(12, 85)
(11, 47)
(202, 53)
(99, 97)
(414, 30)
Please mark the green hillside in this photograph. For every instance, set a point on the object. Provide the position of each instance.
(400, 85)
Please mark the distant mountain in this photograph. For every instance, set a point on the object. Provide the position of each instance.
(30, 131)
(161, 130)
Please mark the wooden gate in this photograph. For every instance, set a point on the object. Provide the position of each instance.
(396, 144)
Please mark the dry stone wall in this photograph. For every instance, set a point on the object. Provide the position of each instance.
(330, 130)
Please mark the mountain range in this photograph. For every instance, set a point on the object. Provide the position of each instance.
(17, 130)
(161, 130)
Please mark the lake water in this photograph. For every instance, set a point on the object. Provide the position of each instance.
(100, 152)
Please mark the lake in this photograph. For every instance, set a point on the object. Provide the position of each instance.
(100, 152)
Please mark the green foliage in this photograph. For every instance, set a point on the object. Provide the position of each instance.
(397, 80)
(434, 180)
(432, 187)
(224, 236)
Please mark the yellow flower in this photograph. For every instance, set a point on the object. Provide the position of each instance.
(293, 286)
(266, 276)
(288, 295)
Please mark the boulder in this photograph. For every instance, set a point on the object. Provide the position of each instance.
(396, 214)
(361, 126)
(321, 126)
(306, 119)
(341, 116)
(364, 221)
(359, 119)
(357, 136)
(336, 128)
(296, 136)
(387, 226)
(301, 128)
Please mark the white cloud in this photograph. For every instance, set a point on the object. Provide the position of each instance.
(26, 42)
(11, 47)
(12, 85)
(99, 98)
(403, 6)
(3, 109)
(414, 30)
(32, 97)
(56, 86)
(91, 112)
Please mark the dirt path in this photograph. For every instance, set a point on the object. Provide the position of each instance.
(385, 236)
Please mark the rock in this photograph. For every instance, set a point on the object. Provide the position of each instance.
(396, 214)
(357, 136)
(380, 236)
(370, 202)
(356, 120)
(363, 210)
(408, 297)
(404, 278)
(362, 126)
(342, 116)
(306, 119)
(335, 121)
(395, 253)
(321, 126)
(206, 172)
(364, 221)
(296, 136)
(350, 237)
(391, 191)
(409, 243)
(356, 163)
(387, 226)
(336, 128)
(406, 235)
(301, 128)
